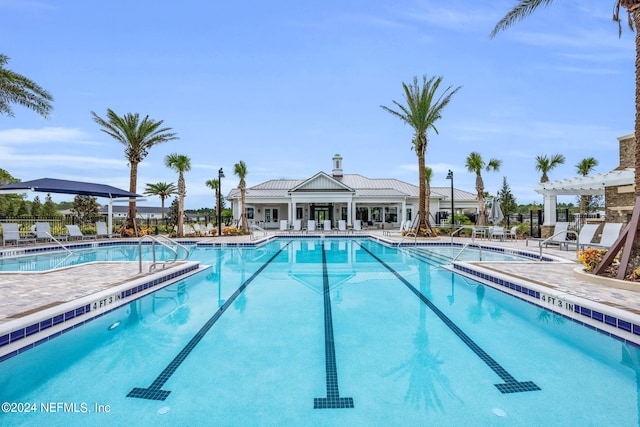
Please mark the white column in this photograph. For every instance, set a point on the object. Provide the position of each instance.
(550, 206)
(349, 213)
(292, 211)
(403, 211)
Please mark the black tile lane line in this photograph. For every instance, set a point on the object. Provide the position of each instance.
(154, 391)
(511, 385)
(333, 399)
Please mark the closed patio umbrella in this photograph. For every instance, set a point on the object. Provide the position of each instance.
(496, 215)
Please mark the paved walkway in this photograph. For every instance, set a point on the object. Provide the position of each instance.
(26, 293)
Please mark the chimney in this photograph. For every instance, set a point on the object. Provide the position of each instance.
(627, 151)
(337, 166)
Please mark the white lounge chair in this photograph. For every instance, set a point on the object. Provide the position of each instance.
(311, 225)
(585, 236)
(559, 236)
(76, 233)
(610, 232)
(284, 225)
(326, 226)
(43, 232)
(101, 230)
(511, 234)
(357, 225)
(297, 226)
(342, 226)
(11, 233)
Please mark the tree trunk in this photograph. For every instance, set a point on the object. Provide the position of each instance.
(181, 194)
(482, 218)
(423, 227)
(133, 184)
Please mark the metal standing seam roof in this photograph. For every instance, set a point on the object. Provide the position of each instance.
(366, 187)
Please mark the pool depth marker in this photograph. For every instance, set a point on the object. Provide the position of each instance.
(154, 391)
(333, 399)
(511, 385)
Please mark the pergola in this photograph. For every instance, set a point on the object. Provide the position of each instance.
(590, 185)
(62, 186)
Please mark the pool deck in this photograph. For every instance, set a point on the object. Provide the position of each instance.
(27, 293)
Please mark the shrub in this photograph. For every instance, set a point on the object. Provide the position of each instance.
(591, 257)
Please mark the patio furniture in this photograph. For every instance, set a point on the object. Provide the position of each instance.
(76, 233)
(43, 232)
(11, 233)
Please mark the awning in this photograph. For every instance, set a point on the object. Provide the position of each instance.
(51, 185)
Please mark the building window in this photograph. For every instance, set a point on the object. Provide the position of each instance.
(343, 213)
(376, 214)
(362, 214)
(391, 215)
(408, 218)
(250, 213)
(298, 213)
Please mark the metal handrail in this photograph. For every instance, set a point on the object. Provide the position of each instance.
(157, 240)
(545, 241)
(253, 228)
(58, 242)
(409, 233)
(460, 229)
(465, 247)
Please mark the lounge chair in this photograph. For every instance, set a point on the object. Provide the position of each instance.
(75, 233)
(43, 232)
(311, 225)
(284, 225)
(585, 236)
(610, 232)
(357, 225)
(11, 233)
(342, 226)
(404, 225)
(101, 230)
(297, 226)
(559, 236)
(511, 234)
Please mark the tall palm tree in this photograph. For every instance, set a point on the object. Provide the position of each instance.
(423, 108)
(181, 164)
(629, 238)
(545, 164)
(17, 89)
(240, 169)
(214, 184)
(137, 136)
(475, 164)
(584, 167)
(162, 190)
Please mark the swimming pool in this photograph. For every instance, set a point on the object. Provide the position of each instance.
(325, 332)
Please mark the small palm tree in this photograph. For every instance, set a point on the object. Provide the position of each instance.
(545, 164)
(181, 164)
(423, 108)
(214, 184)
(475, 164)
(428, 174)
(240, 169)
(162, 190)
(137, 136)
(17, 89)
(584, 167)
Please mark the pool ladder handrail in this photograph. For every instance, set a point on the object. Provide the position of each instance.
(58, 242)
(555, 235)
(157, 240)
(463, 248)
(460, 229)
(253, 228)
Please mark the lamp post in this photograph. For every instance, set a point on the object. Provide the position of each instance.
(453, 214)
(220, 176)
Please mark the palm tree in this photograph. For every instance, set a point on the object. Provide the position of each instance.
(421, 112)
(475, 164)
(428, 174)
(162, 190)
(240, 169)
(17, 89)
(629, 238)
(545, 164)
(584, 167)
(181, 164)
(137, 137)
(214, 184)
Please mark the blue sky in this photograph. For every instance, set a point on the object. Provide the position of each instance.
(285, 85)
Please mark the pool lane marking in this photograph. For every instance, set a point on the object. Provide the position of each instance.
(511, 385)
(333, 399)
(154, 391)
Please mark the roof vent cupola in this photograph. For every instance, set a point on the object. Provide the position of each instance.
(337, 166)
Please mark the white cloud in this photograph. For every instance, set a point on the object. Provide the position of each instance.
(46, 135)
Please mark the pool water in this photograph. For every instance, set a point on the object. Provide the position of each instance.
(326, 332)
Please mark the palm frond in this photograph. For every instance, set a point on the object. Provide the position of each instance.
(523, 9)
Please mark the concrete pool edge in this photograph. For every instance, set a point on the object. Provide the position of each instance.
(602, 316)
(24, 333)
